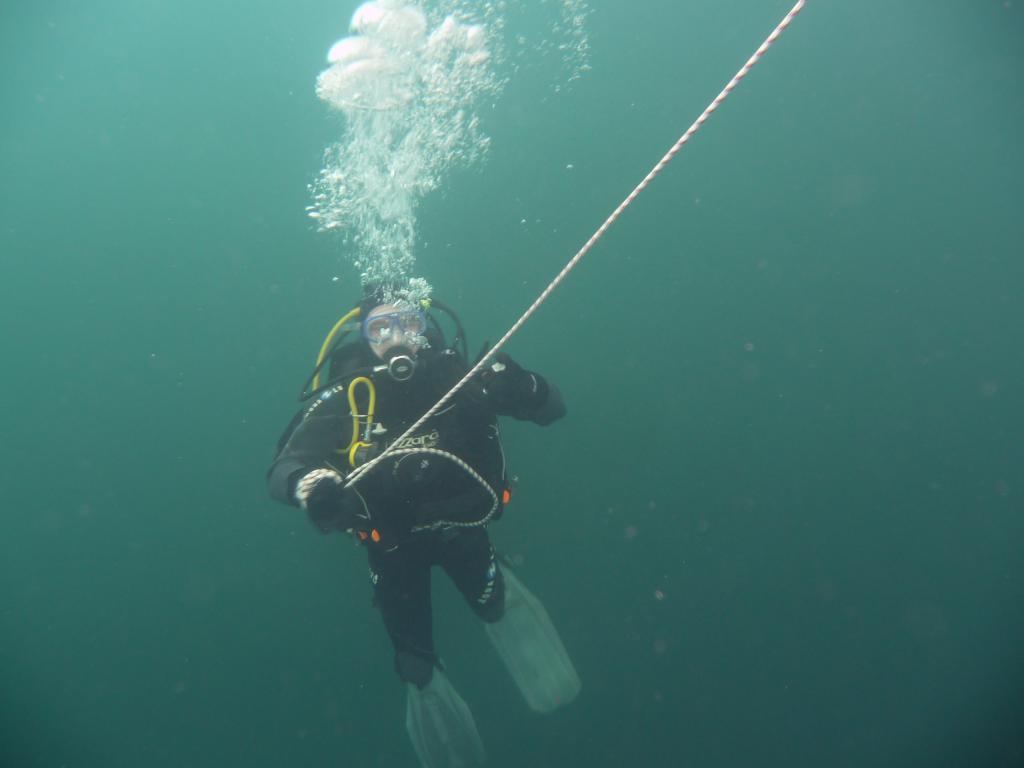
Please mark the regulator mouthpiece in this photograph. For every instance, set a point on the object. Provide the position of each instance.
(401, 364)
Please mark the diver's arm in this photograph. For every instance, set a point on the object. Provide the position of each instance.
(307, 472)
(522, 394)
(312, 443)
(551, 407)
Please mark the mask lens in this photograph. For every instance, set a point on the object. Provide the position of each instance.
(378, 329)
(414, 322)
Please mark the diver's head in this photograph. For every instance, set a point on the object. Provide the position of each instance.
(394, 333)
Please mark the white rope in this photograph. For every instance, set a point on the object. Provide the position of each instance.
(612, 218)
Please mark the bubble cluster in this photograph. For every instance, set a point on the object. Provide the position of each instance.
(407, 90)
(573, 41)
(547, 35)
(409, 81)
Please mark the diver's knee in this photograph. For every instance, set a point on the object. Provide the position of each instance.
(489, 605)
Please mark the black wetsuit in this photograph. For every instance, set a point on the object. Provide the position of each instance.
(416, 489)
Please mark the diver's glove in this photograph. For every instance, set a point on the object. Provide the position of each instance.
(510, 387)
(330, 505)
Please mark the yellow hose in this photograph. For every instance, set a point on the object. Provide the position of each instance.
(358, 443)
(327, 344)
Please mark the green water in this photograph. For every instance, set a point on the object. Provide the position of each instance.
(793, 372)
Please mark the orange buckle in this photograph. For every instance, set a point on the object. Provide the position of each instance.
(506, 496)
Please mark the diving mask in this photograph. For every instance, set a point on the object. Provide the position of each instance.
(403, 326)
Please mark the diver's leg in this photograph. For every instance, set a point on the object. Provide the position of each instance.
(439, 723)
(401, 591)
(468, 559)
(526, 640)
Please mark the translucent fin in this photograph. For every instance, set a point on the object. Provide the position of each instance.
(531, 649)
(441, 726)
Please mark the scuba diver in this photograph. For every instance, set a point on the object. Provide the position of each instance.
(427, 503)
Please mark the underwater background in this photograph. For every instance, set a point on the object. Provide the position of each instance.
(783, 522)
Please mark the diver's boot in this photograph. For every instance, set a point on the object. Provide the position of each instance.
(532, 651)
(441, 726)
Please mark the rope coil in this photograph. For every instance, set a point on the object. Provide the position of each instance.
(438, 524)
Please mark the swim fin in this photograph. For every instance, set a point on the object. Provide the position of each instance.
(441, 726)
(531, 649)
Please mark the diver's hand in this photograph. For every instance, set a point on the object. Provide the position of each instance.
(509, 386)
(331, 507)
